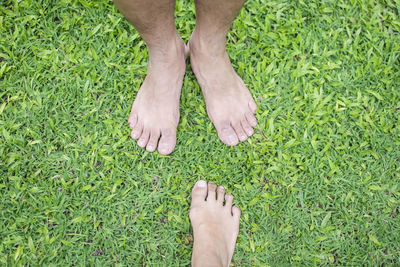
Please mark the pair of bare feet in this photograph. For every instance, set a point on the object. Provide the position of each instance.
(215, 225)
(155, 112)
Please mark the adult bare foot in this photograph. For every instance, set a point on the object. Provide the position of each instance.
(155, 111)
(230, 105)
(215, 226)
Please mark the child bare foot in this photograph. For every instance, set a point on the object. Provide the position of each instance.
(215, 225)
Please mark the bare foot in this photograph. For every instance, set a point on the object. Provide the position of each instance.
(215, 226)
(230, 105)
(155, 111)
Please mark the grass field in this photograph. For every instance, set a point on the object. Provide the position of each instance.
(318, 184)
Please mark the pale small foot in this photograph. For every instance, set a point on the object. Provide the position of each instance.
(215, 225)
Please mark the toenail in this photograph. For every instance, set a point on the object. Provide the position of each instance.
(221, 187)
(163, 148)
(150, 147)
(201, 183)
(231, 139)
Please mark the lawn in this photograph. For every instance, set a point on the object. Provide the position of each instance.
(318, 183)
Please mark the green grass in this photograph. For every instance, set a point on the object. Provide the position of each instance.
(318, 183)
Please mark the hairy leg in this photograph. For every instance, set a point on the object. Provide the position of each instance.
(155, 111)
(230, 105)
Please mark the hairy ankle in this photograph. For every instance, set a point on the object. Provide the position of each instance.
(208, 44)
(170, 51)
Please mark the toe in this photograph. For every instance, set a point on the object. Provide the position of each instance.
(211, 191)
(220, 194)
(227, 135)
(133, 118)
(167, 141)
(239, 131)
(251, 119)
(236, 213)
(137, 131)
(246, 127)
(253, 106)
(152, 144)
(199, 193)
(228, 201)
(144, 138)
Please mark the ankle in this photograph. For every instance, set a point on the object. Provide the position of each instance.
(209, 44)
(169, 51)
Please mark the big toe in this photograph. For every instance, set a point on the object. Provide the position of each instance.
(227, 134)
(167, 141)
(199, 192)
